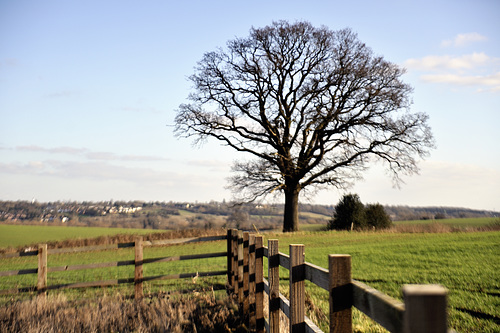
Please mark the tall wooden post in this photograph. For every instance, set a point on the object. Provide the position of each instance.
(246, 276)
(274, 287)
(425, 309)
(41, 285)
(339, 267)
(138, 276)
(297, 289)
(259, 285)
(251, 279)
(234, 266)
(229, 261)
(240, 271)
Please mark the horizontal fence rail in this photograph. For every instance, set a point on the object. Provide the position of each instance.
(424, 308)
(138, 263)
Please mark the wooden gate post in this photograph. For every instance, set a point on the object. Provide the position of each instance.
(297, 289)
(274, 286)
(425, 308)
(339, 268)
(259, 285)
(138, 276)
(41, 285)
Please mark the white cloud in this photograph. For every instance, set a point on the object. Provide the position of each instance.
(491, 82)
(468, 61)
(91, 155)
(461, 40)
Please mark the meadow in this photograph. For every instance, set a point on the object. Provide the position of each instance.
(466, 263)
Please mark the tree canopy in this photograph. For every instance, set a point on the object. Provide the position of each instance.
(312, 106)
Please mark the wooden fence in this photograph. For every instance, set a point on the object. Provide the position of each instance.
(424, 308)
(138, 263)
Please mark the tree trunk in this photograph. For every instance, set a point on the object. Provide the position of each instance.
(291, 213)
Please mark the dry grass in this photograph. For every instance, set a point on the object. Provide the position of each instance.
(439, 228)
(193, 313)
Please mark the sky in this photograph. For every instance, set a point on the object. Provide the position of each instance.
(89, 92)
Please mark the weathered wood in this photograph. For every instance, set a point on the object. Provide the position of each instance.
(297, 288)
(317, 275)
(284, 260)
(274, 288)
(259, 285)
(340, 289)
(251, 279)
(19, 254)
(184, 240)
(246, 276)
(183, 275)
(229, 261)
(425, 309)
(241, 289)
(382, 308)
(138, 275)
(91, 248)
(235, 263)
(41, 285)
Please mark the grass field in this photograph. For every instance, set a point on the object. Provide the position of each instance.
(466, 263)
(21, 235)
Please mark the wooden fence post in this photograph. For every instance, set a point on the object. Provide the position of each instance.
(274, 287)
(229, 261)
(240, 271)
(339, 268)
(259, 285)
(246, 277)
(251, 279)
(297, 289)
(41, 285)
(425, 308)
(234, 266)
(138, 276)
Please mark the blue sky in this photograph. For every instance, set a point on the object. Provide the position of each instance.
(89, 89)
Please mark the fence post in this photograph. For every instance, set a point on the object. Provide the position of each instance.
(240, 271)
(274, 287)
(339, 268)
(229, 262)
(259, 285)
(138, 276)
(425, 308)
(251, 279)
(41, 285)
(297, 288)
(246, 277)
(234, 266)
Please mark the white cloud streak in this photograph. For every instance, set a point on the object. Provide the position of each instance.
(90, 155)
(462, 40)
(444, 62)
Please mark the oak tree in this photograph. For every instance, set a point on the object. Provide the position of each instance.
(312, 106)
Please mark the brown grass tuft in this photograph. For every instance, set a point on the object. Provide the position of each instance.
(200, 313)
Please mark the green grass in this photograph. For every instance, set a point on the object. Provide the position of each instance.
(464, 222)
(466, 263)
(20, 235)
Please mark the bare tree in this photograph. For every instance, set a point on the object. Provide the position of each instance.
(313, 106)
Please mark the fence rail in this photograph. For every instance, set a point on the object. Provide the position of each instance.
(423, 310)
(139, 244)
